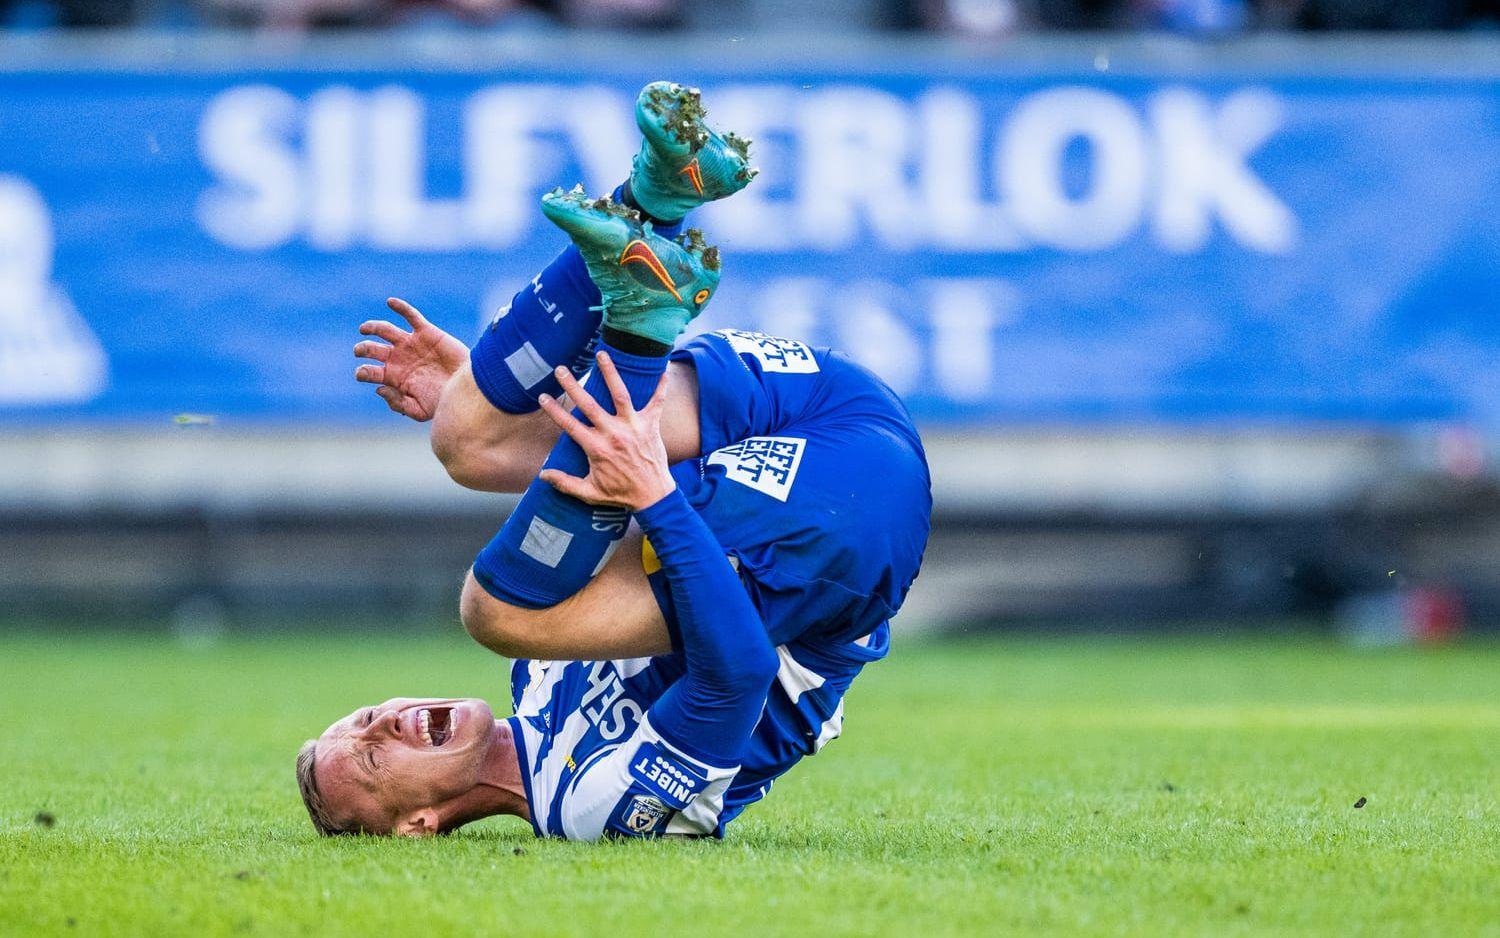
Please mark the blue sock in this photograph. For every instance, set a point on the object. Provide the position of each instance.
(552, 544)
(552, 321)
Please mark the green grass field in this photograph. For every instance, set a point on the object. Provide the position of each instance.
(1071, 786)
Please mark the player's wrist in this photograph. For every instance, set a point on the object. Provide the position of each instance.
(663, 502)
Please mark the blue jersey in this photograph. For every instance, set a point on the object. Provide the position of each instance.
(592, 762)
(815, 483)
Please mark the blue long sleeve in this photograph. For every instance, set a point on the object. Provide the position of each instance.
(711, 712)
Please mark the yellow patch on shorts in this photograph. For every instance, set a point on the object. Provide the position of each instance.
(652, 563)
(649, 561)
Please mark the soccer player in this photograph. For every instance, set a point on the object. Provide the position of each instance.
(565, 760)
(804, 467)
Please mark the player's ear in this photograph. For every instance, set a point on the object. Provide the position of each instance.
(420, 823)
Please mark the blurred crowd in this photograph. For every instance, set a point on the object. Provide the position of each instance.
(964, 17)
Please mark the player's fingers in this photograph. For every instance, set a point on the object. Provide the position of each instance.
(400, 403)
(568, 484)
(582, 435)
(383, 330)
(615, 383)
(406, 311)
(376, 350)
(581, 399)
(370, 374)
(391, 396)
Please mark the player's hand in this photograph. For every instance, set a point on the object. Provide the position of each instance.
(627, 458)
(412, 370)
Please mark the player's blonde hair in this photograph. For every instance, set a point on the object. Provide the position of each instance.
(307, 783)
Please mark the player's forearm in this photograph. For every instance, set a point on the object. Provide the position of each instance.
(723, 637)
(713, 710)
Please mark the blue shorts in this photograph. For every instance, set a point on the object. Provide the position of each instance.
(813, 479)
(815, 484)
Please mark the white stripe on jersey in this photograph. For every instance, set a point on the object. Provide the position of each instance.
(567, 727)
(541, 677)
(628, 668)
(795, 677)
(597, 727)
(598, 790)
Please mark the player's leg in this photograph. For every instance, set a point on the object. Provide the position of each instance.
(650, 287)
(554, 320)
(778, 496)
(488, 432)
(489, 451)
(499, 452)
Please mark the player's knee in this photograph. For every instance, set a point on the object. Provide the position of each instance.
(457, 458)
(447, 442)
(455, 447)
(490, 622)
(466, 438)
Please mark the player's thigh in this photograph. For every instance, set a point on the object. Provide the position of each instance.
(615, 616)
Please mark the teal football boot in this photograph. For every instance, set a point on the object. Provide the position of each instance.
(683, 162)
(652, 286)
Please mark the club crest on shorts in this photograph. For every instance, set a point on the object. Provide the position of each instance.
(644, 813)
(787, 356)
(767, 464)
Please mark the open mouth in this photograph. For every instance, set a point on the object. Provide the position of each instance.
(435, 724)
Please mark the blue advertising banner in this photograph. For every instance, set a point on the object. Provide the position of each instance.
(1057, 245)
